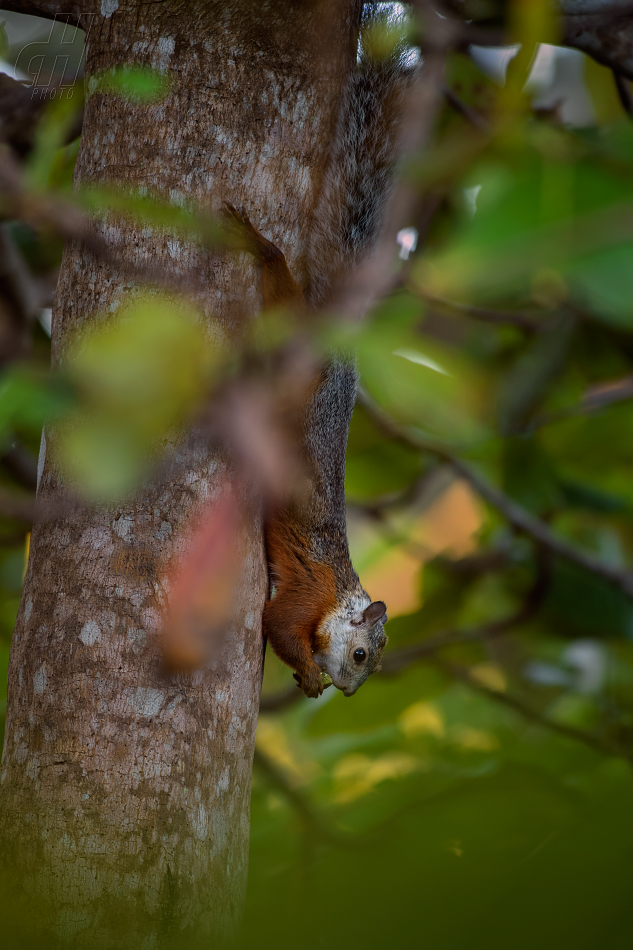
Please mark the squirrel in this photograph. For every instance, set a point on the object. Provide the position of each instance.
(320, 619)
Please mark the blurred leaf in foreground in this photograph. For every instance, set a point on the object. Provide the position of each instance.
(138, 376)
(135, 83)
(202, 589)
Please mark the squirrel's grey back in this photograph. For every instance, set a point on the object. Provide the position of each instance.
(346, 221)
(362, 163)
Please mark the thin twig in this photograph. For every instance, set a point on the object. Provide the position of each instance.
(18, 283)
(275, 702)
(596, 399)
(624, 92)
(482, 562)
(18, 506)
(401, 659)
(516, 703)
(526, 320)
(521, 519)
(476, 119)
(421, 494)
(399, 538)
(301, 803)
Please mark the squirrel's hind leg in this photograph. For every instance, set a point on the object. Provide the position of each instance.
(279, 287)
(244, 235)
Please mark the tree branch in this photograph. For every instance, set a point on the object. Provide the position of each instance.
(519, 705)
(476, 119)
(596, 7)
(77, 14)
(607, 36)
(275, 702)
(514, 513)
(301, 803)
(19, 283)
(624, 92)
(401, 659)
(596, 399)
(14, 505)
(525, 320)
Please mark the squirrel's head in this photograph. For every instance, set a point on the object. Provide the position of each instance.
(351, 640)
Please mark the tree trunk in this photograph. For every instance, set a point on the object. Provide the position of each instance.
(125, 793)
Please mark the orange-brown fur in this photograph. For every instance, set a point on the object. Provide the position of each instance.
(305, 594)
(279, 288)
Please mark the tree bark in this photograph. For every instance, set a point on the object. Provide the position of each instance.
(125, 793)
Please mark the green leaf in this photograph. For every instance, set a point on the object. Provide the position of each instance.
(417, 378)
(526, 384)
(584, 605)
(150, 210)
(375, 465)
(602, 282)
(579, 495)
(529, 476)
(45, 165)
(134, 83)
(557, 206)
(139, 376)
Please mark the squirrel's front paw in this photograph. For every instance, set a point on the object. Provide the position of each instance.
(310, 681)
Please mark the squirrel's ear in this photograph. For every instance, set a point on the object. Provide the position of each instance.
(374, 613)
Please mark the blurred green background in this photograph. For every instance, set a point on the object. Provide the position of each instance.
(477, 792)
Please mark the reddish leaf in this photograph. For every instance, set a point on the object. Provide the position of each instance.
(203, 586)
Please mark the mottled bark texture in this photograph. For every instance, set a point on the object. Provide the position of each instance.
(125, 794)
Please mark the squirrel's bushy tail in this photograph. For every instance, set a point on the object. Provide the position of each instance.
(349, 209)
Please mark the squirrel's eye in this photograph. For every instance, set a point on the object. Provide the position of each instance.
(359, 655)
